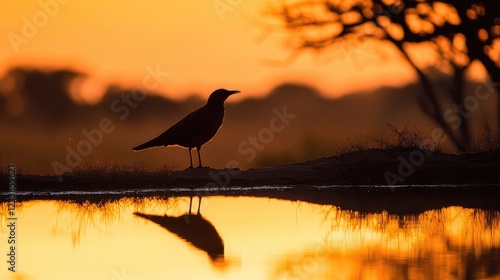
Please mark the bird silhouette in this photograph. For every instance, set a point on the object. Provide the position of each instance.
(195, 129)
(194, 229)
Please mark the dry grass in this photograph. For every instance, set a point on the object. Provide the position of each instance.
(395, 139)
(114, 169)
(4, 168)
(406, 138)
(490, 142)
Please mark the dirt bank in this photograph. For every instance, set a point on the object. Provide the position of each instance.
(367, 167)
(356, 181)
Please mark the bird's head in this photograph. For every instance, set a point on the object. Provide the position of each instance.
(219, 96)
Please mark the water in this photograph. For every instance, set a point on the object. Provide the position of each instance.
(262, 238)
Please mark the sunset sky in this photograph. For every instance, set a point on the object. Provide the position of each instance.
(203, 45)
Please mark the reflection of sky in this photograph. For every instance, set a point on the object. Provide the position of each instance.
(264, 238)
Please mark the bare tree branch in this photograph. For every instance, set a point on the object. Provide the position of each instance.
(323, 23)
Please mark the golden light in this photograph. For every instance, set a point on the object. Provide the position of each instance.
(202, 46)
(277, 239)
(86, 90)
(482, 34)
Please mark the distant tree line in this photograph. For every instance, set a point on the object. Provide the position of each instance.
(47, 96)
(36, 92)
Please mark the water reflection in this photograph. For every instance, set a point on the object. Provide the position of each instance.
(195, 229)
(273, 239)
(450, 243)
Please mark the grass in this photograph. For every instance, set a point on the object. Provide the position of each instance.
(359, 163)
(405, 138)
(115, 169)
(402, 139)
(490, 142)
(395, 139)
(4, 168)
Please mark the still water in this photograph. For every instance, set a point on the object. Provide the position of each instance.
(246, 238)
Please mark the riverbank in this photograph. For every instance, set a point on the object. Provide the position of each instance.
(366, 167)
(359, 181)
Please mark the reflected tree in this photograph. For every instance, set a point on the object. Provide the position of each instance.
(460, 32)
(385, 246)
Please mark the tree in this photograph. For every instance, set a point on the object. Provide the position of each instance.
(460, 31)
(43, 94)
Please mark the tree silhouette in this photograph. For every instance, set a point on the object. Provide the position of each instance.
(44, 94)
(460, 32)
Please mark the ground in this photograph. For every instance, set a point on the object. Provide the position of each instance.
(366, 180)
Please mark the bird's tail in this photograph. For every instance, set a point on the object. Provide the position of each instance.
(149, 144)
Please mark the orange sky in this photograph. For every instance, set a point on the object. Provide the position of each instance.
(200, 48)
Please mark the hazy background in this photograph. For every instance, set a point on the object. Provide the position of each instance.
(64, 64)
(202, 45)
(50, 123)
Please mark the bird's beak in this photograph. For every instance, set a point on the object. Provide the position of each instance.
(234, 92)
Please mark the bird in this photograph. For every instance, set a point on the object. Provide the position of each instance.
(194, 229)
(196, 129)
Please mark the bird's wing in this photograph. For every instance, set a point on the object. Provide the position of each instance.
(183, 131)
(189, 127)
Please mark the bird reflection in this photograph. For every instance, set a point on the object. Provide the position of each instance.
(194, 229)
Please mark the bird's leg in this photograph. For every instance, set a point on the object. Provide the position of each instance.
(199, 204)
(191, 203)
(199, 157)
(190, 158)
